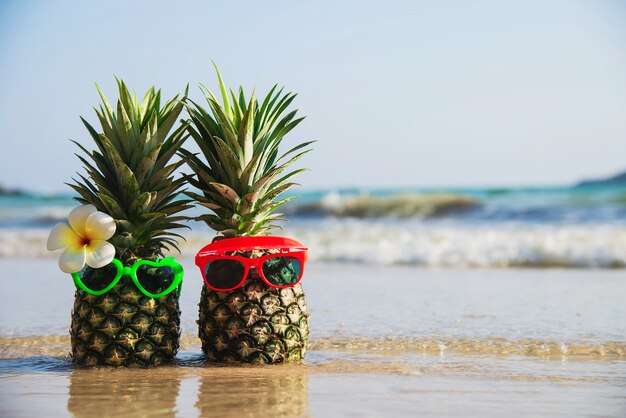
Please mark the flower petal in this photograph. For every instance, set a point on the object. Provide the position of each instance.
(99, 226)
(72, 260)
(62, 236)
(78, 218)
(99, 253)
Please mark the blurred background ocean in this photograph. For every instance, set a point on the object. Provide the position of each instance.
(450, 134)
(431, 119)
(582, 225)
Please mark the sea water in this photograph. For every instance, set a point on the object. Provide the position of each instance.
(524, 227)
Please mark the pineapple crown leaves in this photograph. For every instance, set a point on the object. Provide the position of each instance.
(130, 174)
(242, 173)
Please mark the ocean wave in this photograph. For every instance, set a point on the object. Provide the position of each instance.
(468, 246)
(405, 205)
(548, 206)
(414, 243)
(33, 217)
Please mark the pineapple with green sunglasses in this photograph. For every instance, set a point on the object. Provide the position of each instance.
(127, 312)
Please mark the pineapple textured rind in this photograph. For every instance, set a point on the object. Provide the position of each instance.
(123, 327)
(254, 324)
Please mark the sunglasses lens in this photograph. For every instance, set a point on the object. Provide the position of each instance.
(224, 274)
(282, 271)
(98, 279)
(155, 279)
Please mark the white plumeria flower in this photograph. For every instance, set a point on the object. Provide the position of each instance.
(84, 239)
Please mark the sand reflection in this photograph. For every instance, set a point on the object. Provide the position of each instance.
(124, 392)
(193, 387)
(277, 391)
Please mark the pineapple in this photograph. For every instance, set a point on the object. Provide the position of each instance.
(241, 178)
(130, 177)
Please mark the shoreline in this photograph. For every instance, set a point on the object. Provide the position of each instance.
(58, 346)
(330, 382)
(385, 340)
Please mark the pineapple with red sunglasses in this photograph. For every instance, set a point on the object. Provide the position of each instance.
(252, 306)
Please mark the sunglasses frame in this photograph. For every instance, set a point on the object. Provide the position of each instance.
(217, 251)
(132, 272)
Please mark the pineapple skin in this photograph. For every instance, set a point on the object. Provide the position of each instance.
(123, 327)
(254, 323)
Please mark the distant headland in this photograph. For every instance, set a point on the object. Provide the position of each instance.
(617, 180)
(4, 191)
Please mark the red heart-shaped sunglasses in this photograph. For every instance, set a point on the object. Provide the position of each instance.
(223, 272)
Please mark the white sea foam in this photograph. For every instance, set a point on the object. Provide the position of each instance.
(454, 245)
(417, 243)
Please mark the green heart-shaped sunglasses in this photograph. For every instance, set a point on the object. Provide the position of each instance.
(154, 279)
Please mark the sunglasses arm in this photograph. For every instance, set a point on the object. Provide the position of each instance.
(178, 270)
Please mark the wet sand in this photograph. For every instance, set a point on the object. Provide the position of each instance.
(386, 341)
(330, 383)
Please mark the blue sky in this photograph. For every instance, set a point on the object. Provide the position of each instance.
(398, 93)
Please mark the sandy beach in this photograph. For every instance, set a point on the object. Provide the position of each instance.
(386, 341)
